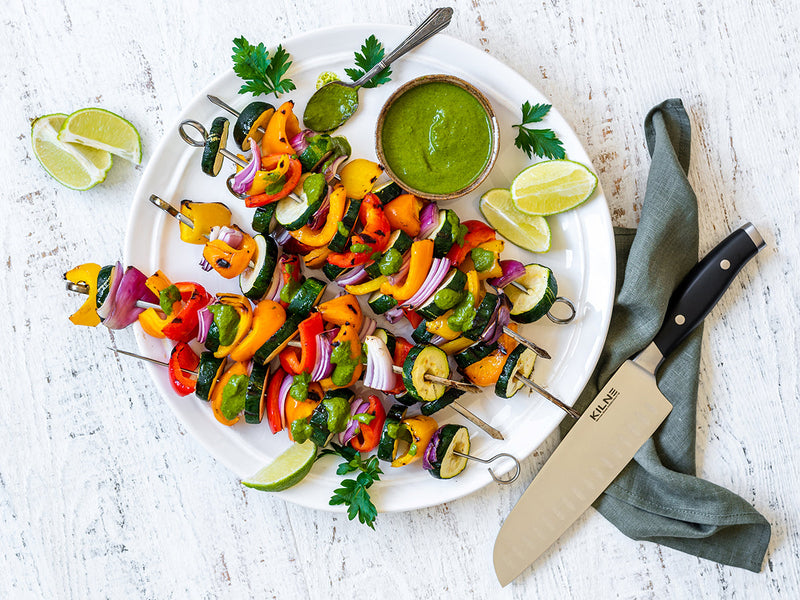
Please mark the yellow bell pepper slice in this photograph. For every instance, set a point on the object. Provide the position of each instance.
(309, 237)
(420, 264)
(265, 177)
(157, 282)
(242, 307)
(457, 345)
(359, 176)
(216, 394)
(86, 274)
(440, 327)
(268, 317)
(495, 247)
(367, 287)
(421, 429)
(474, 286)
(204, 216)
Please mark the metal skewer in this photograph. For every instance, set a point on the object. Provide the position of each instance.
(83, 288)
(558, 300)
(466, 413)
(540, 390)
(172, 211)
(222, 104)
(511, 479)
(526, 342)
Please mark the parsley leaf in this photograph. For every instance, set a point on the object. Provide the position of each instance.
(541, 142)
(262, 73)
(371, 54)
(353, 492)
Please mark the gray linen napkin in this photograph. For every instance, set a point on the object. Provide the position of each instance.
(657, 496)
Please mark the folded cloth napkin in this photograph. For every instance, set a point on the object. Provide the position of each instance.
(657, 496)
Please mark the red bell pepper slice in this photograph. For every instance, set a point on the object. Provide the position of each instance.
(369, 434)
(292, 177)
(183, 320)
(375, 235)
(478, 233)
(413, 317)
(181, 360)
(309, 329)
(273, 406)
(401, 349)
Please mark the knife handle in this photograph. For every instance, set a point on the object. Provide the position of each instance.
(704, 285)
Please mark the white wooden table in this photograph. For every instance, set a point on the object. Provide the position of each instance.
(103, 493)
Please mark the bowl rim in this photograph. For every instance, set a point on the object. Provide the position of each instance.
(475, 93)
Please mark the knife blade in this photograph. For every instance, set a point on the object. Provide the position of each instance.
(619, 420)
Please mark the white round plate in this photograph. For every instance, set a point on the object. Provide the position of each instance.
(582, 258)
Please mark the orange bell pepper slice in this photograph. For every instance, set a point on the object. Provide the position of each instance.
(227, 260)
(295, 409)
(418, 268)
(309, 237)
(268, 317)
(403, 213)
(282, 127)
(344, 310)
(421, 429)
(216, 394)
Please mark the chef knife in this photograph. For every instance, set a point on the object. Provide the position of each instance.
(625, 413)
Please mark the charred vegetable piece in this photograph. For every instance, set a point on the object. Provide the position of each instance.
(211, 162)
(440, 459)
(542, 292)
(253, 116)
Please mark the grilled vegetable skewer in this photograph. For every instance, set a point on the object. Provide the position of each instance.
(214, 150)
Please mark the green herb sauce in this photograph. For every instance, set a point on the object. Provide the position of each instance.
(330, 106)
(437, 137)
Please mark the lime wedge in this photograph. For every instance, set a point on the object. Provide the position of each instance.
(77, 167)
(286, 470)
(526, 231)
(552, 186)
(104, 130)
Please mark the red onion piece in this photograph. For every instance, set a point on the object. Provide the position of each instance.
(368, 327)
(323, 367)
(439, 269)
(379, 374)
(205, 265)
(319, 217)
(231, 236)
(300, 141)
(204, 320)
(393, 315)
(428, 219)
(283, 393)
(244, 178)
(436, 340)
(358, 407)
(357, 275)
(108, 304)
(429, 456)
(512, 269)
(131, 289)
(503, 319)
(281, 235)
(401, 274)
(333, 168)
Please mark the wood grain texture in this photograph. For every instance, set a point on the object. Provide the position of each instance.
(103, 494)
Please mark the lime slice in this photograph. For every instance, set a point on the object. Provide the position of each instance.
(552, 186)
(77, 167)
(103, 130)
(286, 470)
(526, 231)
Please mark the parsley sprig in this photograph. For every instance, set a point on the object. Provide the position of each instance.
(353, 492)
(262, 73)
(371, 54)
(541, 142)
